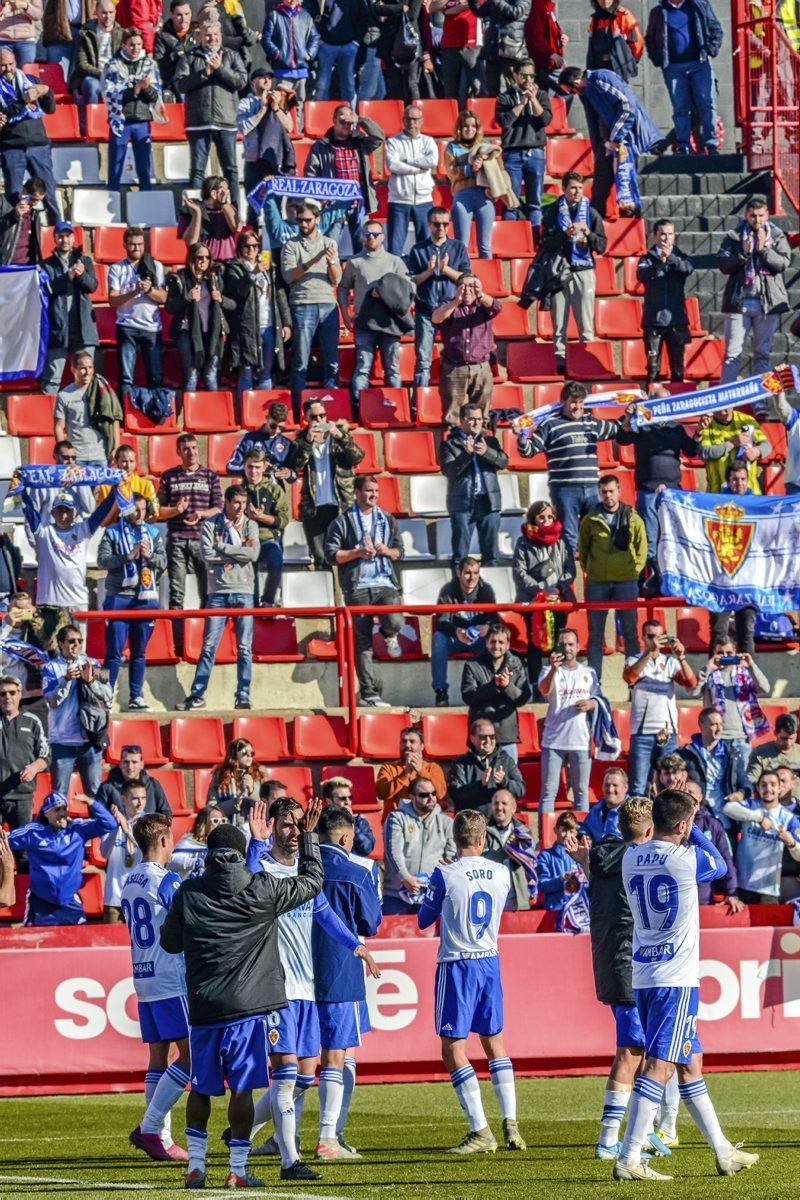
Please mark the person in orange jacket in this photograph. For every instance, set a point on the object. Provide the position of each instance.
(615, 39)
(395, 779)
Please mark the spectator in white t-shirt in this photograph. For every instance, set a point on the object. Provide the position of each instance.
(654, 714)
(766, 827)
(61, 542)
(136, 289)
(119, 848)
(72, 416)
(569, 688)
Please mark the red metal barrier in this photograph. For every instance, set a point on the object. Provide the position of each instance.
(767, 95)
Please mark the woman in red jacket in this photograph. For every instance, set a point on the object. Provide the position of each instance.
(143, 15)
(546, 43)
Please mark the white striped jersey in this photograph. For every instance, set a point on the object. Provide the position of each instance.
(469, 895)
(147, 894)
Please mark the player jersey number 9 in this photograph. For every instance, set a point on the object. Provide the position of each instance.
(480, 912)
(657, 900)
(139, 919)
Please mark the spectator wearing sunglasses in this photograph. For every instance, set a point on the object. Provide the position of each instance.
(131, 766)
(43, 499)
(72, 747)
(417, 836)
(338, 793)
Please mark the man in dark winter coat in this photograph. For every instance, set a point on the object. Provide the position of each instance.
(475, 776)
(131, 766)
(504, 46)
(225, 923)
(174, 40)
(495, 685)
(470, 460)
(682, 37)
(460, 632)
(71, 280)
(664, 271)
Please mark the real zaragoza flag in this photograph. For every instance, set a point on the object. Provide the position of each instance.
(724, 552)
(23, 322)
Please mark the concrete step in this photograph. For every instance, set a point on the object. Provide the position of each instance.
(713, 183)
(693, 165)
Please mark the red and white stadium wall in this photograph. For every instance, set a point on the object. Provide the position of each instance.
(69, 1012)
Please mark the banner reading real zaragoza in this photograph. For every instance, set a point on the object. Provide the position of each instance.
(23, 321)
(727, 552)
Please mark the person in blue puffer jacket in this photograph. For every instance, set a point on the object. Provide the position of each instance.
(55, 845)
(290, 41)
(556, 867)
(682, 37)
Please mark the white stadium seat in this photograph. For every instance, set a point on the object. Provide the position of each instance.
(150, 208)
(96, 206)
(76, 165)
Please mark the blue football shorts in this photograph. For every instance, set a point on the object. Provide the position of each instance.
(469, 997)
(341, 1023)
(164, 1020)
(629, 1026)
(236, 1054)
(669, 1020)
(294, 1029)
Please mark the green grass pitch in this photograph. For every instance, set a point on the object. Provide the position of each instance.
(77, 1146)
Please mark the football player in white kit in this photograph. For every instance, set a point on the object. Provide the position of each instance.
(469, 896)
(661, 878)
(294, 1034)
(160, 985)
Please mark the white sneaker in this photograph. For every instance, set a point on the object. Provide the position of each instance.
(374, 702)
(393, 648)
(737, 1160)
(627, 1172)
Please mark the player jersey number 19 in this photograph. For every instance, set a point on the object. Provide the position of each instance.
(139, 920)
(480, 912)
(657, 898)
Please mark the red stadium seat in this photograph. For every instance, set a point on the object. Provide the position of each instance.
(532, 775)
(193, 641)
(695, 318)
(704, 359)
(625, 237)
(196, 740)
(301, 153)
(776, 435)
(369, 464)
(97, 123)
(490, 273)
(519, 273)
(528, 734)
(62, 125)
(138, 731)
(201, 777)
(256, 403)
(634, 359)
(407, 362)
(546, 393)
(544, 325)
(629, 280)
(16, 911)
(137, 423)
(166, 247)
(379, 734)
(173, 129)
(605, 278)
(430, 409)
(591, 360)
(516, 460)
(484, 109)
(318, 117)
(106, 319)
(220, 448)
(50, 74)
(512, 239)
(693, 628)
(512, 321)
(275, 640)
(390, 494)
(91, 890)
(40, 449)
(174, 787)
(559, 124)
(30, 414)
(316, 735)
(108, 244)
(375, 823)
(386, 113)
(337, 408)
(568, 154)
(49, 243)
(529, 362)
(267, 735)
(617, 318)
(444, 734)
(362, 779)
(439, 117)
(409, 452)
(209, 412)
(163, 452)
(297, 780)
(385, 408)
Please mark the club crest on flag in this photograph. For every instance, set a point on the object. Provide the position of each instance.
(729, 535)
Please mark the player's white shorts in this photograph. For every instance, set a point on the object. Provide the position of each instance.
(469, 997)
(669, 1020)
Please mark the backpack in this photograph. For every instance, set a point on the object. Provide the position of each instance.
(93, 715)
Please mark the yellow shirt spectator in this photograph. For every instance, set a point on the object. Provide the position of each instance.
(136, 485)
(723, 436)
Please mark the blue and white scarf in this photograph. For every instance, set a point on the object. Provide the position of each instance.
(739, 394)
(519, 847)
(229, 535)
(574, 916)
(607, 743)
(579, 253)
(33, 657)
(626, 179)
(120, 75)
(35, 477)
(137, 573)
(379, 568)
(753, 718)
(523, 425)
(306, 189)
(13, 93)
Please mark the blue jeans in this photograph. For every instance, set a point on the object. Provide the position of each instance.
(308, 319)
(84, 759)
(646, 508)
(64, 52)
(118, 633)
(579, 768)
(200, 143)
(212, 633)
(399, 216)
(191, 373)
(264, 379)
(129, 341)
(36, 161)
(487, 524)
(138, 134)
(424, 336)
(343, 59)
(442, 647)
(571, 502)
(643, 754)
(474, 202)
(371, 85)
(691, 85)
(627, 589)
(88, 93)
(268, 571)
(24, 52)
(367, 343)
(525, 166)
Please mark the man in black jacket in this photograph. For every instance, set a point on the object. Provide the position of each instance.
(71, 280)
(475, 776)
(21, 225)
(470, 460)
(24, 754)
(523, 113)
(176, 37)
(364, 543)
(461, 632)
(24, 143)
(352, 137)
(664, 271)
(131, 766)
(495, 685)
(225, 923)
(611, 931)
(504, 46)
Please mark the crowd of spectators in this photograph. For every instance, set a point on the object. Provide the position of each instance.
(270, 299)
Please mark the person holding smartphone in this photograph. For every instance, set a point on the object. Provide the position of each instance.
(651, 677)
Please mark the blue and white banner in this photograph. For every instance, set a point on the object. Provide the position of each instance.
(739, 394)
(307, 189)
(33, 657)
(24, 323)
(64, 476)
(729, 552)
(523, 426)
